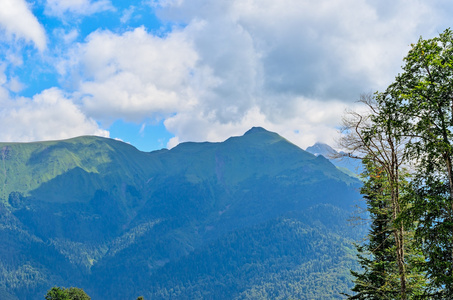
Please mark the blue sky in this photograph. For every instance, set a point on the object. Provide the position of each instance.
(155, 73)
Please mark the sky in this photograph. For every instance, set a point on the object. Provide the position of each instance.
(155, 73)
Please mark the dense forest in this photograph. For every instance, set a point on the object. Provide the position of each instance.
(252, 217)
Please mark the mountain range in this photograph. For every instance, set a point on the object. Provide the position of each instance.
(341, 160)
(249, 218)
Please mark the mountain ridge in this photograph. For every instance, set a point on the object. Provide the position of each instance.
(348, 165)
(92, 211)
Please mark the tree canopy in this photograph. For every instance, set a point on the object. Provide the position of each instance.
(416, 111)
(72, 293)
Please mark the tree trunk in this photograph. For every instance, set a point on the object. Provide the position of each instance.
(398, 229)
(450, 214)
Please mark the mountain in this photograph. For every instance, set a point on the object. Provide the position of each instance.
(350, 166)
(252, 217)
(322, 149)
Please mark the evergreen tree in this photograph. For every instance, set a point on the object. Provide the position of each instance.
(377, 256)
(379, 278)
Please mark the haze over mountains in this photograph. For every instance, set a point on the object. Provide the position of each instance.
(350, 166)
(252, 217)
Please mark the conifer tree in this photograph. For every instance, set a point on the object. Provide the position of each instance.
(376, 256)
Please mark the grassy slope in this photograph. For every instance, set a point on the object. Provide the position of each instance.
(25, 167)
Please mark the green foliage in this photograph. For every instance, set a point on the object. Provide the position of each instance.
(416, 110)
(72, 293)
(281, 259)
(77, 294)
(379, 278)
(376, 137)
(425, 88)
(435, 233)
(57, 293)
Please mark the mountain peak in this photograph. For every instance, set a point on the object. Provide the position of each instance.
(321, 149)
(255, 130)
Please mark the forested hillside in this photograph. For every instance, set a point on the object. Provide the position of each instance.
(254, 216)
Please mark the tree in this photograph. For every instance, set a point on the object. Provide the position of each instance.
(77, 294)
(376, 137)
(424, 93)
(377, 257)
(57, 293)
(72, 293)
(418, 110)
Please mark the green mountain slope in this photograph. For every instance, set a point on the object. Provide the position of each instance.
(187, 222)
(287, 257)
(26, 167)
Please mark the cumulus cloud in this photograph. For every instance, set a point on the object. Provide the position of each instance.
(315, 121)
(133, 76)
(321, 49)
(291, 66)
(79, 7)
(17, 21)
(47, 116)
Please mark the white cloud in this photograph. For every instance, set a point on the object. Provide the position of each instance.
(134, 75)
(127, 14)
(294, 65)
(291, 66)
(3, 81)
(67, 37)
(164, 3)
(78, 7)
(15, 85)
(8, 84)
(48, 116)
(17, 21)
(325, 48)
(142, 129)
(313, 121)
